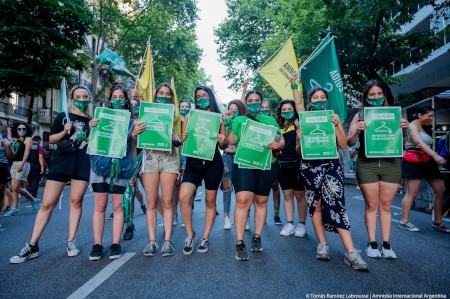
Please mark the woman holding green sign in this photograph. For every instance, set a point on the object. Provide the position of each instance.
(252, 186)
(378, 178)
(324, 189)
(104, 183)
(161, 168)
(198, 170)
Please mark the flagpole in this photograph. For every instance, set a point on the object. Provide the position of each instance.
(147, 48)
(274, 53)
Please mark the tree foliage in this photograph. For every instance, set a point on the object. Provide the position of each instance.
(37, 43)
(368, 36)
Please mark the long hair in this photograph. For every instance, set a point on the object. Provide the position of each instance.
(117, 86)
(280, 120)
(311, 92)
(371, 83)
(212, 99)
(16, 125)
(70, 104)
(241, 108)
(172, 96)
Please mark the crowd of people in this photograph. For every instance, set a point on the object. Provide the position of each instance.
(317, 185)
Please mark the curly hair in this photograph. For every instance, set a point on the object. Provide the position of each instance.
(241, 108)
(280, 120)
(16, 125)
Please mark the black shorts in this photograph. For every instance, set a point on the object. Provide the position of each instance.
(290, 178)
(210, 171)
(75, 166)
(426, 171)
(104, 188)
(5, 174)
(64, 177)
(254, 180)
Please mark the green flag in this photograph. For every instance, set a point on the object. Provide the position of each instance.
(322, 70)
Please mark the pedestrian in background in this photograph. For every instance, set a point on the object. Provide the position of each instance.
(416, 172)
(73, 167)
(36, 166)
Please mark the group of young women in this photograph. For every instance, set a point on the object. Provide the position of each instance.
(317, 185)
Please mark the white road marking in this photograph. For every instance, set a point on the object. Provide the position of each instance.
(103, 275)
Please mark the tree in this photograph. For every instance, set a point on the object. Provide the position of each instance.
(368, 34)
(38, 39)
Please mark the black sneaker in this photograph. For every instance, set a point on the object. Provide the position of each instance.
(129, 232)
(441, 227)
(28, 252)
(115, 251)
(110, 217)
(241, 252)
(96, 253)
(256, 244)
(277, 220)
(204, 246)
(144, 209)
(189, 244)
(5, 210)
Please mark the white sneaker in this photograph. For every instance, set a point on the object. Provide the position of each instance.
(300, 230)
(227, 224)
(247, 226)
(388, 253)
(287, 230)
(72, 249)
(373, 251)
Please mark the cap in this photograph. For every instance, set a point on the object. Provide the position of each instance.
(37, 137)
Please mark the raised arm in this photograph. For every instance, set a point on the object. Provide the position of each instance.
(299, 105)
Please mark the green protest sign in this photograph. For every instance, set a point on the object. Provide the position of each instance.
(319, 136)
(202, 129)
(109, 138)
(158, 120)
(252, 151)
(383, 136)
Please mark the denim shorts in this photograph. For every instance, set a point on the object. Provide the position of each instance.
(156, 163)
(22, 175)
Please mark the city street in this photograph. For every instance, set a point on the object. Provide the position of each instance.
(287, 267)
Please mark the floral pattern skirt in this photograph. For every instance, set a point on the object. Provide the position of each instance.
(325, 179)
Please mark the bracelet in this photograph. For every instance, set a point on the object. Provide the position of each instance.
(294, 86)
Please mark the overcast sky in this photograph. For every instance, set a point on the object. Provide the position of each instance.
(211, 14)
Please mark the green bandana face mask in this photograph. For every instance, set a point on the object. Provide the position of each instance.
(235, 113)
(203, 103)
(118, 104)
(319, 105)
(184, 111)
(265, 112)
(134, 111)
(375, 102)
(287, 115)
(162, 100)
(81, 105)
(254, 108)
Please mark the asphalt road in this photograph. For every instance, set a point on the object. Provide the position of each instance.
(287, 267)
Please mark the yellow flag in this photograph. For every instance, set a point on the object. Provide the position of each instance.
(279, 69)
(145, 82)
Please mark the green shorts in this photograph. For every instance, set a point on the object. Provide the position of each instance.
(372, 170)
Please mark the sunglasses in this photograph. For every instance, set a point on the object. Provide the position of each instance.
(21, 129)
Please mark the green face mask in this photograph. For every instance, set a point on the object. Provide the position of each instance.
(118, 104)
(375, 102)
(265, 112)
(319, 105)
(134, 111)
(254, 108)
(162, 100)
(203, 103)
(184, 111)
(81, 105)
(287, 115)
(235, 113)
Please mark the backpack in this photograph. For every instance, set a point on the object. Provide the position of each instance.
(444, 147)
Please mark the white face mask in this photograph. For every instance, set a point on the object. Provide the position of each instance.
(22, 133)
